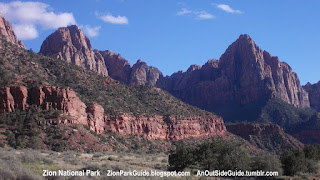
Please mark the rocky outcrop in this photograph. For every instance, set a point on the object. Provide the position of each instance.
(244, 74)
(170, 128)
(270, 137)
(314, 95)
(118, 67)
(70, 44)
(96, 118)
(6, 100)
(66, 100)
(142, 74)
(7, 33)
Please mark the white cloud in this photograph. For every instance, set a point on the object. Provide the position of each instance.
(183, 11)
(204, 15)
(109, 18)
(91, 31)
(26, 16)
(26, 31)
(228, 9)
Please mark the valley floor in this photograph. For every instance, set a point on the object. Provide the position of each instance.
(31, 164)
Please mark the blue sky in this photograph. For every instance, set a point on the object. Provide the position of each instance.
(171, 35)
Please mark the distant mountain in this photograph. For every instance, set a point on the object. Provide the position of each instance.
(70, 44)
(314, 94)
(244, 74)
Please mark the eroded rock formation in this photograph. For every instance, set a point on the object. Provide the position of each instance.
(66, 100)
(70, 44)
(244, 74)
(142, 74)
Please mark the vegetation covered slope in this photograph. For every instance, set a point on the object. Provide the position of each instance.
(21, 67)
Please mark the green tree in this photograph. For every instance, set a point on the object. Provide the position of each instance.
(182, 158)
(293, 161)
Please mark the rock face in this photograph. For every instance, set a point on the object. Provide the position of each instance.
(70, 44)
(244, 74)
(270, 137)
(314, 95)
(118, 67)
(169, 128)
(142, 74)
(7, 33)
(66, 100)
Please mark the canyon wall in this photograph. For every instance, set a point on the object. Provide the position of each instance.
(76, 112)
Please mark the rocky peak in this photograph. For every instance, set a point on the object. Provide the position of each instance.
(7, 33)
(244, 74)
(194, 67)
(70, 44)
(142, 74)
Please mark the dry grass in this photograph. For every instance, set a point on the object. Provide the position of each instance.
(29, 163)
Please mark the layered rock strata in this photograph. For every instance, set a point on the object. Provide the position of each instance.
(66, 100)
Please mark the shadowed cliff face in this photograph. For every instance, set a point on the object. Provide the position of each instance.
(66, 100)
(269, 137)
(244, 74)
(7, 33)
(314, 95)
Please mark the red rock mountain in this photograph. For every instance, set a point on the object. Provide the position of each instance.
(314, 94)
(70, 44)
(7, 33)
(66, 100)
(142, 74)
(244, 74)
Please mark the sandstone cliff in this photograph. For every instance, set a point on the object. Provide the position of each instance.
(118, 67)
(314, 95)
(7, 33)
(70, 44)
(142, 74)
(66, 100)
(244, 74)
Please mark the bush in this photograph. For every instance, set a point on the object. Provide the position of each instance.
(222, 155)
(183, 157)
(266, 163)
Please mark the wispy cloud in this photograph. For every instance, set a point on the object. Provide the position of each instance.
(91, 31)
(26, 16)
(204, 15)
(198, 15)
(109, 18)
(228, 9)
(183, 11)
